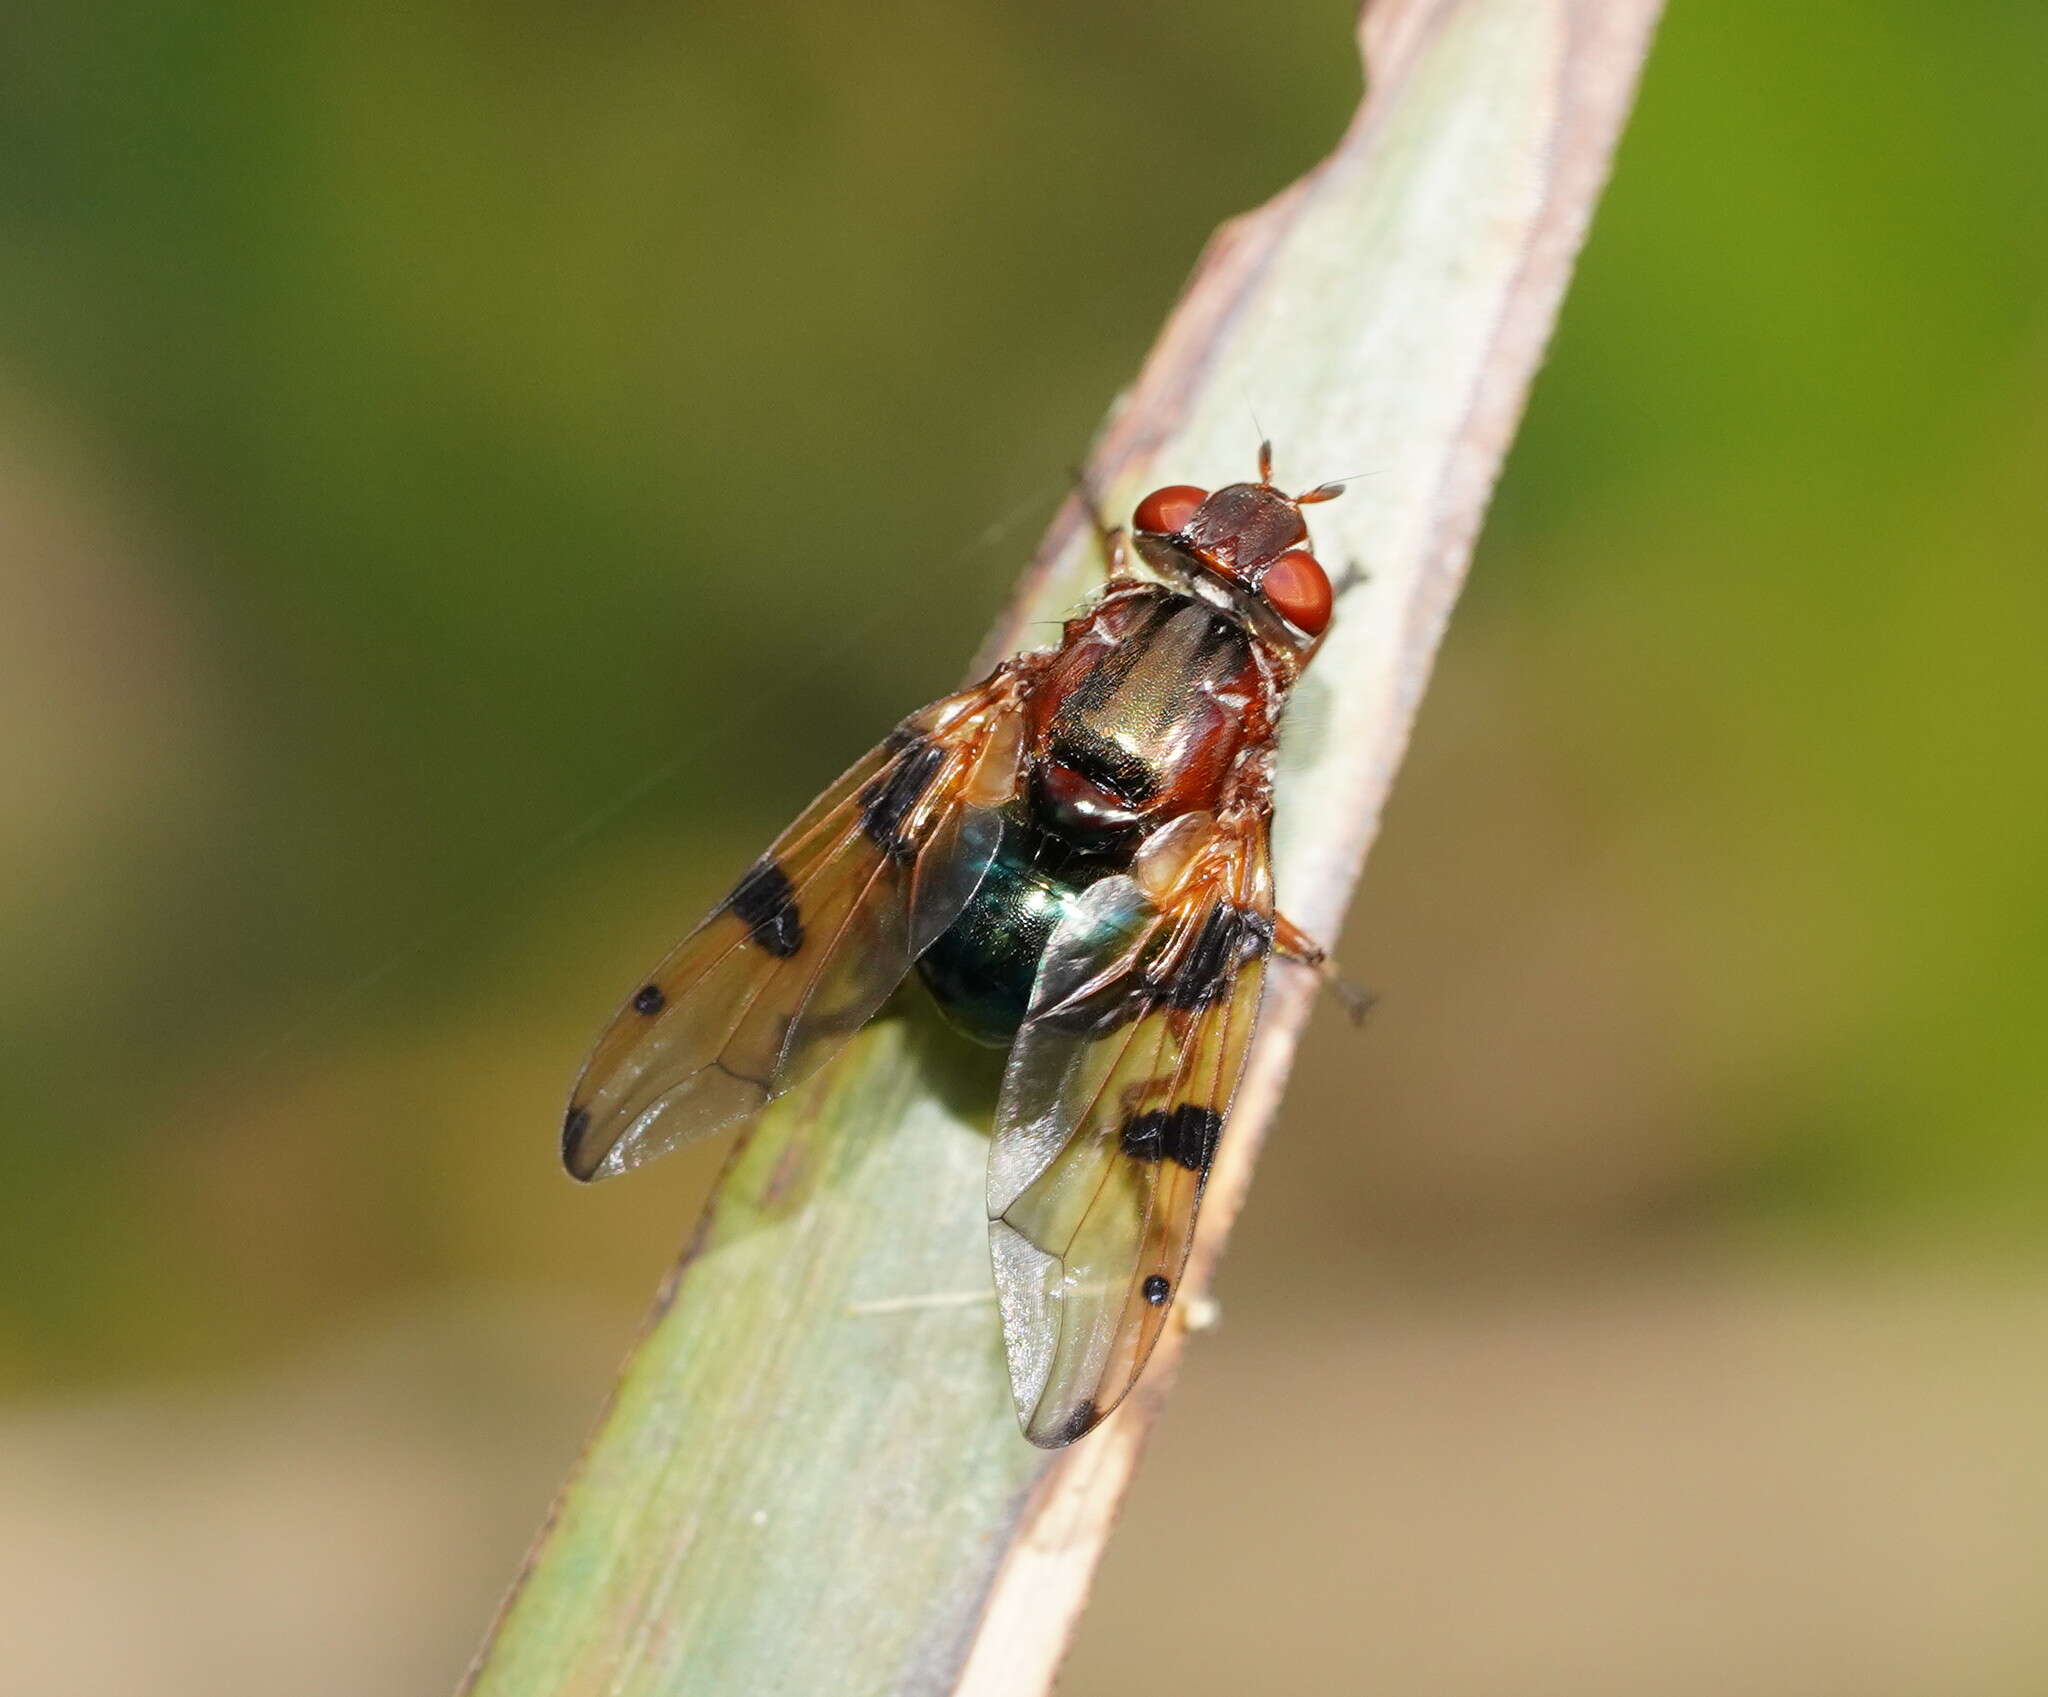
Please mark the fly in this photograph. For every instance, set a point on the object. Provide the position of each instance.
(1074, 856)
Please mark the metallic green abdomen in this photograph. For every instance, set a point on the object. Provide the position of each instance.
(981, 969)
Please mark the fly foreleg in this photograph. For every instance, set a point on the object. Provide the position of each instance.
(1292, 943)
(1112, 542)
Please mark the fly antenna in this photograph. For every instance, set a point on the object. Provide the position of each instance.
(1331, 489)
(1265, 443)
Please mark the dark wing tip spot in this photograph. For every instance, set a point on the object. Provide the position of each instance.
(1157, 1289)
(574, 1124)
(1080, 1422)
(649, 1000)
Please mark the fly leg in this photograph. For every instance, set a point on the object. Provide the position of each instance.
(1110, 539)
(1292, 943)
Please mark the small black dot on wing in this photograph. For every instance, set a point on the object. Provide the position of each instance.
(648, 999)
(1157, 1289)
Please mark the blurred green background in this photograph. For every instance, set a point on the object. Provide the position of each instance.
(468, 475)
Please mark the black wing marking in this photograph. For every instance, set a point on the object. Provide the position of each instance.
(1113, 1104)
(813, 939)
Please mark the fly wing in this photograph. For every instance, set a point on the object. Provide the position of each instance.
(807, 947)
(1113, 1102)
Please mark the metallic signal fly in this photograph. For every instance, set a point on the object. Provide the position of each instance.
(1073, 855)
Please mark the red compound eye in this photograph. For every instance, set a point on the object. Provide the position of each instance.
(1167, 511)
(1299, 590)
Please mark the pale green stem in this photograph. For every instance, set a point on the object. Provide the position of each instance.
(810, 1480)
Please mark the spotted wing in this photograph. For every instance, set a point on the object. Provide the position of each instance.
(1113, 1102)
(806, 948)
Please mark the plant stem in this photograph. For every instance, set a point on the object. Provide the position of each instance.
(810, 1479)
